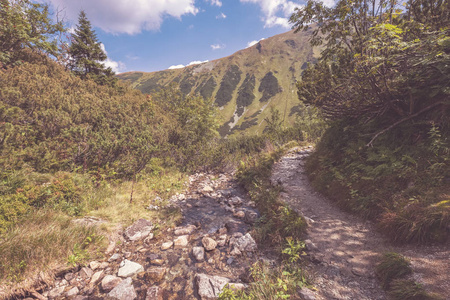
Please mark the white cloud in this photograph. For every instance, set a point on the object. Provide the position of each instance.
(131, 17)
(278, 12)
(195, 62)
(116, 66)
(215, 2)
(217, 46)
(252, 43)
(176, 67)
(221, 16)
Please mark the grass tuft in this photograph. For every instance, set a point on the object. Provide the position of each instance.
(392, 266)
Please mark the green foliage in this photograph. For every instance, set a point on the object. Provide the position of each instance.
(246, 91)
(228, 84)
(383, 79)
(206, 89)
(25, 26)
(404, 289)
(268, 87)
(268, 283)
(392, 266)
(86, 54)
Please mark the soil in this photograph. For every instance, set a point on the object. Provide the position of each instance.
(344, 249)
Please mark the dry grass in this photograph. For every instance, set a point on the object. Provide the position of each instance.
(47, 241)
(34, 250)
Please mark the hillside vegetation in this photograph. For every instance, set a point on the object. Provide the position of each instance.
(244, 85)
(383, 84)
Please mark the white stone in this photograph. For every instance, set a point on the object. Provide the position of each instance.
(166, 245)
(109, 282)
(123, 291)
(130, 269)
(181, 241)
(199, 253)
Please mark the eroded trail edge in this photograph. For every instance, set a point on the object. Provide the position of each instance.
(343, 248)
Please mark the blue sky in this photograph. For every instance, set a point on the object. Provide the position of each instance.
(152, 35)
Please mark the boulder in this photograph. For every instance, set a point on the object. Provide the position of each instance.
(96, 278)
(56, 292)
(154, 293)
(209, 243)
(166, 245)
(185, 230)
(86, 273)
(130, 269)
(156, 274)
(109, 282)
(181, 241)
(246, 243)
(139, 230)
(123, 291)
(72, 292)
(209, 287)
(198, 253)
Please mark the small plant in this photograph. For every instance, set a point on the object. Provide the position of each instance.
(392, 266)
(404, 289)
(293, 250)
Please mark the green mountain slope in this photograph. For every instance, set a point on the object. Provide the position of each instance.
(244, 85)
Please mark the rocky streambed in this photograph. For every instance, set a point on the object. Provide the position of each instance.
(212, 247)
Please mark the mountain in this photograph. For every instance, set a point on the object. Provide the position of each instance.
(246, 84)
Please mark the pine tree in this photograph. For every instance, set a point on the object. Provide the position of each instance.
(87, 55)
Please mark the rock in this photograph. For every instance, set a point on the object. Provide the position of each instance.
(181, 241)
(69, 276)
(123, 291)
(310, 246)
(233, 226)
(166, 245)
(72, 292)
(79, 297)
(230, 260)
(246, 243)
(130, 269)
(96, 278)
(223, 230)
(222, 240)
(237, 286)
(156, 274)
(94, 265)
(109, 282)
(235, 201)
(239, 214)
(207, 189)
(104, 265)
(114, 257)
(235, 252)
(307, 294)
(209, 243)
(56, 292)
(185, 230)
(198, 253)
(139, 230)
(148, 239)
(251, 217)
(154, 293)
(86, 273)
(209, 287)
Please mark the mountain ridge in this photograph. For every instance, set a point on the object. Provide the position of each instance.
(243, 85)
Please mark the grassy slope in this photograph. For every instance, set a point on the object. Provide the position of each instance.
(283, 54)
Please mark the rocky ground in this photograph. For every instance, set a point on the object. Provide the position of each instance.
(211, 248)
(344, 249)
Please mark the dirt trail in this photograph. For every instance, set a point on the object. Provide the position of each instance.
(344, 248)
